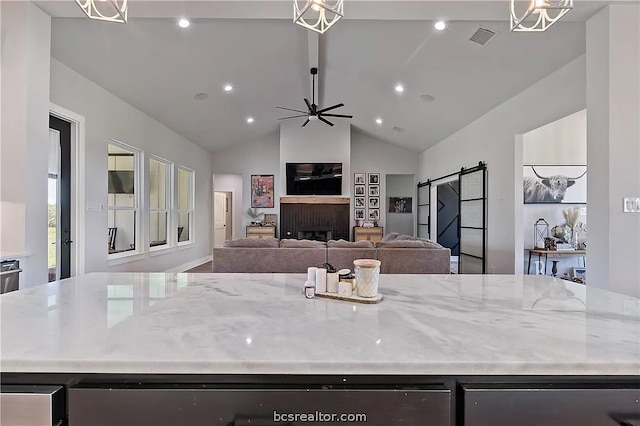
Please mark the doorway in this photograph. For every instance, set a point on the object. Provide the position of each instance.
(59, 200)
(448, 216)
(222, 217)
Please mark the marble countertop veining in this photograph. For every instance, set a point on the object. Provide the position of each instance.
(261, 323)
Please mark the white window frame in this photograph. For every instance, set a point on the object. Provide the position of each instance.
(190, 210)
(171, 237)
(137, 208)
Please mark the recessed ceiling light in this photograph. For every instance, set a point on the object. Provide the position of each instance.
(440, 25)
(184, 23)
(200, 96)
(228, 88)
(427, 98)
(399, 88)
(379, 120)
(250, 120)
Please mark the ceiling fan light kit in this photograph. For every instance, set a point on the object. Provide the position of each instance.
(313, 113)
(317, 15)
(105, 10)
(544, 13)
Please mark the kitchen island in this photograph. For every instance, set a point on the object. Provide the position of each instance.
(459, 346)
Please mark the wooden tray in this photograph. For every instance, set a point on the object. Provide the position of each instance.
(354, 298)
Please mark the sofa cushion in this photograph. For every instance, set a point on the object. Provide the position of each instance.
(394, 236)
(349, 244)
(292, 243)
(252, 242)
(409, 244)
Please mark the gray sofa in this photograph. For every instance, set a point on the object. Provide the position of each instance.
(399, 254)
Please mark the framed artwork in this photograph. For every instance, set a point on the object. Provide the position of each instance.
(374, 178)
(359, 190)
(374, 202)
(374, 214)
(359, 202)
(359, 214)
(374, 190)
(262, 191)
(359, 178)
(400, 205)
(554, 184)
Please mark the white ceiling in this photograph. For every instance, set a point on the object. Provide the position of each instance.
(158, 67)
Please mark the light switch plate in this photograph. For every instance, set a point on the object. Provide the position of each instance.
(631, 205)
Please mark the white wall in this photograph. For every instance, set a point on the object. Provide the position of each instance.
(108, 117)
(613, 135)
(563, 142)
(26, 43)
(371, 155)
(316, 142)
(233, 183)
(261, 156)
(492, 139)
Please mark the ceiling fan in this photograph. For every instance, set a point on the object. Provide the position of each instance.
(313, 113)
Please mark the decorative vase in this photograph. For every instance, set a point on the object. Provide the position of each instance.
(554, 268)
(574, 238)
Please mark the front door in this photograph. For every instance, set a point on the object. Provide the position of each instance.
(59, 199)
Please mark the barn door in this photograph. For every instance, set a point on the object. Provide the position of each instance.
(473, 220)
(424, 208)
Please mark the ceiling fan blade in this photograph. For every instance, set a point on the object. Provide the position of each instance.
(337, 115)
(325, 121)
(294, 110)
(331, 107)
(309, 105)
(305, 123)
(293, 116)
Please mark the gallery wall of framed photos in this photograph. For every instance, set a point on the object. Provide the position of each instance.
(366, 192)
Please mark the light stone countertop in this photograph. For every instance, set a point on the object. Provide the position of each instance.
(261, 323)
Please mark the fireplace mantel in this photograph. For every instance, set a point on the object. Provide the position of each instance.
(315, 200)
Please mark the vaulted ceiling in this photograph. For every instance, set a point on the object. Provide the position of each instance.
(158, 67)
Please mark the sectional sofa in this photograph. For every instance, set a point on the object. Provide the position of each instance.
(399, 254)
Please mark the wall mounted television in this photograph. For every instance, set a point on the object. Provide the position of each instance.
(314, 178)
(121, 182)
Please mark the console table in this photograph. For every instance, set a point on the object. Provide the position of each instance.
(261, 231)
(555, 254)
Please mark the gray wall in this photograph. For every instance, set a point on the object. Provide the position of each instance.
(400, 186)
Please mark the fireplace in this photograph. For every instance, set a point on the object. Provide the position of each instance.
(315, 234)
(314, 218)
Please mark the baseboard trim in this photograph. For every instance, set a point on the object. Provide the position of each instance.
(189, 265)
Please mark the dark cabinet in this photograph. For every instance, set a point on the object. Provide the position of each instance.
(550, 406)
(171, 406)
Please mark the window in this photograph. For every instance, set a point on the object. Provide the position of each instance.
(123, 198)
(185, 204)
(159, 184)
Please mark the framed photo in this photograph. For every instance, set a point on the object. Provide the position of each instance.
(374, 190)
(400, 205)
(580, 273)
(359, 202)
(262, 191)
(554, 184)
(374, 178)
(359, 214)
(374, 202)
(359, 179)
(374, 214)
(359, 190)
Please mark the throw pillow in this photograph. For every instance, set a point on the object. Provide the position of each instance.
(350, 244)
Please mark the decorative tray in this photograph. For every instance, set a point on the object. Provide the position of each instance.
(354, 298)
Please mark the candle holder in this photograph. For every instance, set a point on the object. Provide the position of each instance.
(540, 233)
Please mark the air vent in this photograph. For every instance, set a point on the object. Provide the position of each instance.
(483, 36)
(398, 129)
